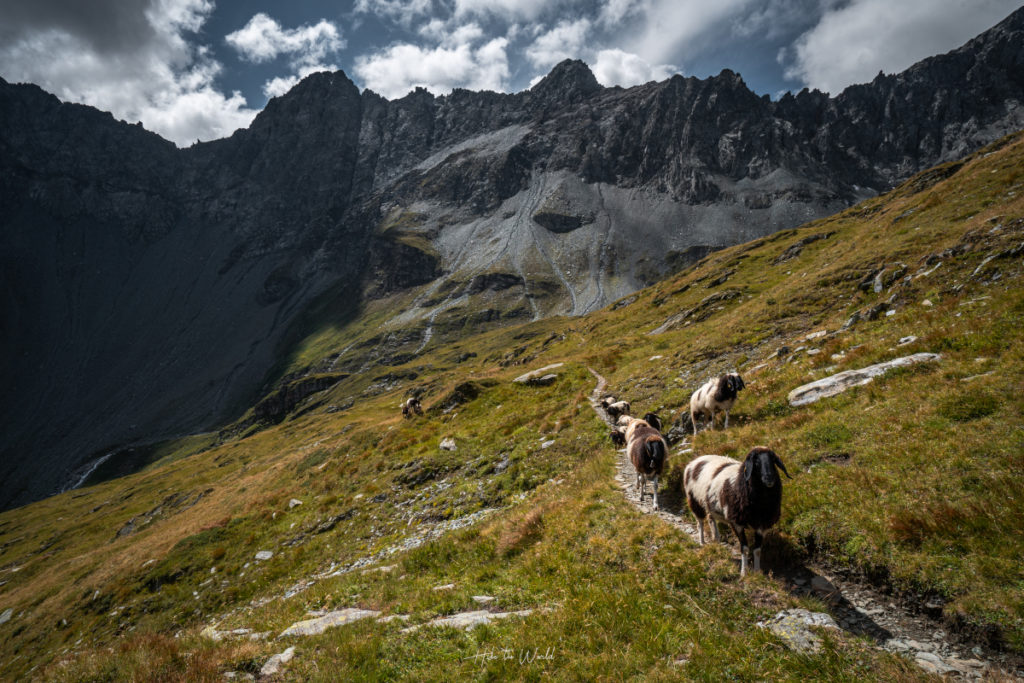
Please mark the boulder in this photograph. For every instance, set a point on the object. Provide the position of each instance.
(274, 664)
(312, 627)
(838, 383)
(540, 375)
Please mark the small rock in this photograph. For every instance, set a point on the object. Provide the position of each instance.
(312, 627)
(448, 444)
(548, 444)
(823, 586)
(793, 626)
(264, 555)
(931, 663)
(891, 312)
(445, 587)
(274, 664)
(469, 620)
(909, 339)
(294, 502)
(927, 303)
(815, 335)
(6, 616)
(813, 352)
(483, 599)
(655, 358)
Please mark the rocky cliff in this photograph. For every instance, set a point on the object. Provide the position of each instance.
(148, 290)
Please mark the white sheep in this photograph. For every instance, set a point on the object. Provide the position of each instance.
(745, 495)
(717, 394)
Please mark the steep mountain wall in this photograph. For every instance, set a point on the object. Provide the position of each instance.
(146, 291)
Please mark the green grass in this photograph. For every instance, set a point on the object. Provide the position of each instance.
(913, 480)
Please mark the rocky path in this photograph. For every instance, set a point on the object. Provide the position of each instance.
(858, 608)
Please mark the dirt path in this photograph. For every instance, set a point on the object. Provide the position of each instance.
(857, 607)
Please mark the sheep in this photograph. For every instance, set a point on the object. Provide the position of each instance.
(618, 437)
(653, 420)
(746, 495)
(716, 394)
(412, 406)
(647, 451)
(615, 408)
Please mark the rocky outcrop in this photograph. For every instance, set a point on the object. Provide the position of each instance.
(148, 290)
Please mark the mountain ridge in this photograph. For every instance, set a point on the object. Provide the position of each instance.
(503, 207)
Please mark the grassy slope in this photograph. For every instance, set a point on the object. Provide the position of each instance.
(938, 458)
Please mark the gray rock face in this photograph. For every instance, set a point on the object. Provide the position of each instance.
(793, 627)
(147, 290)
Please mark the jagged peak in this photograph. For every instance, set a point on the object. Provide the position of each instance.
(570, 76)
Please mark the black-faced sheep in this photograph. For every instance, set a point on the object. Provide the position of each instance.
(412, 407)
(716, 394)
(618, 437)
(615, 408)
(746, 495)
(653, 420)
(647, 451)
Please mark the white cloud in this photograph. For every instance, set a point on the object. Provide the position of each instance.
(263, 39)
(853, 43)
(565, 41)
(671, 29)
(507, 9)
(402, 67)
(613, 12)
(615, 67)
(161, 80)
(402, 12)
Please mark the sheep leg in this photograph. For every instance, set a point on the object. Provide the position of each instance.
(742, 536)
(698, 513)
(726, 425)
(640, 485)
(655, 494)
(693, 419)
(758, 539)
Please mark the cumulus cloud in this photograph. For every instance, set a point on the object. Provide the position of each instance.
(670, 29)
(564, 41)
(402, 67)
(852, 43)
(132, 59)
(615, 67)
(263, 39)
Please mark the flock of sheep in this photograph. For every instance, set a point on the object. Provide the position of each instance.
(745, 495)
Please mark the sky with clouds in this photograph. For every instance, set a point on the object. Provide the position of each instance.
(199, 69)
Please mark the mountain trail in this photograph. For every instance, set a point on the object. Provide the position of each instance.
(891, 622)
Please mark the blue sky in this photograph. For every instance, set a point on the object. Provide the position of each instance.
(199, 69)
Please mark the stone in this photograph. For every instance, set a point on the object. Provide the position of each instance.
(483, 599)
(932, 663)
(927, 303)
(293, 503)
(836, 384)
(312, 627)
(909, 339)
(264, 554)
(470, 620)
(274, 664)
(538, 374)
(6, 616)
(448, 444)
(445, 587)
(548, 444)
(793, 627)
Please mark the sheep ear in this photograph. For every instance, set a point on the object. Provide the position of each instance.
(748, 469)
(778, 463)
(742, 384)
